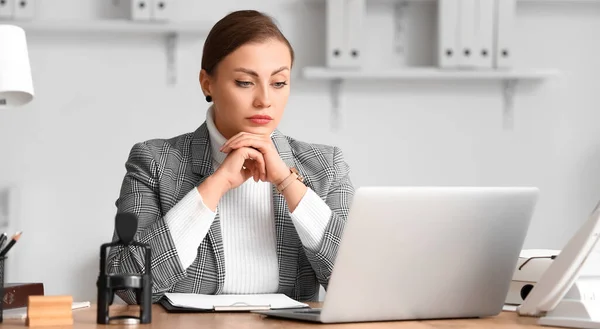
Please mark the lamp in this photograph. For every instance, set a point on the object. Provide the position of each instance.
(16, 85)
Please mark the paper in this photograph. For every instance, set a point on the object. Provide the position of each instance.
(210, 302)
(78, 305)
(20, 313)
(510, 308)
(528, 253)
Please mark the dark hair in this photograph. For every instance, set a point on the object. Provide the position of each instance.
(236, 29)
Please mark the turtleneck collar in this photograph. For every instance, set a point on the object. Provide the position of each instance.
(216, 139)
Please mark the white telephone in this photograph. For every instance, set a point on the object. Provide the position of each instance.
(531, 265)
(568, 291)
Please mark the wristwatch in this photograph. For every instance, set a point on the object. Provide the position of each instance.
(294, 175)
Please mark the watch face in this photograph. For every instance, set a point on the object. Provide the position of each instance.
(295, 171)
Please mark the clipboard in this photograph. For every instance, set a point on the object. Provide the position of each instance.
(231, 305)
(237, 307)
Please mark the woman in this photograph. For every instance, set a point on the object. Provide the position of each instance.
(236, 207)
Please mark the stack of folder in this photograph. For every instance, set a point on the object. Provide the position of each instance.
(476, 34)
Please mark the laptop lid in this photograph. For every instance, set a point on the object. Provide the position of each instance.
(428, 252)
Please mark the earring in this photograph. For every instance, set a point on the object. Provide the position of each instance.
(208, 98)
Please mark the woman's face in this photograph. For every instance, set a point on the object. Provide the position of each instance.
(250, 88)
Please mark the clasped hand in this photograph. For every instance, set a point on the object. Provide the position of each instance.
(251, 155)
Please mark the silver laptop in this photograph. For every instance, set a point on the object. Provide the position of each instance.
(412, 253)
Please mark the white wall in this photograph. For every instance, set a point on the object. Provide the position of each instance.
(97, 95)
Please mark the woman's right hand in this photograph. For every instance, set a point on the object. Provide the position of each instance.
(238, 166)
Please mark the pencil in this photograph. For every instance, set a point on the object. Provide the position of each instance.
(12, 242)
(3, 238)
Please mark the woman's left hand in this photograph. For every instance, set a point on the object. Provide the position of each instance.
(276, 169)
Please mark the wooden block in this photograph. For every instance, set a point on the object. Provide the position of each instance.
(49, 311)
(45, 300)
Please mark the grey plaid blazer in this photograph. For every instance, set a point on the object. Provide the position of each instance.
(161, 172)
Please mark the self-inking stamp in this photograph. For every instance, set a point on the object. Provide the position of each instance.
(139, 283)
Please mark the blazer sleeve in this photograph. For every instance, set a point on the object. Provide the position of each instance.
(140, 195)
(338, 198)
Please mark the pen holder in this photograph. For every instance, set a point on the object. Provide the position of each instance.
(139, 283)
(2, 261)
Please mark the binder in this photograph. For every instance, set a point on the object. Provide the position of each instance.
(7, 9)
(139, 10)
(336, 55)
(355, 11)
(505, 29)
(187, 303)
(467, 39)
(24, 9)
(162, 10)
(485, 12)
(448, 33)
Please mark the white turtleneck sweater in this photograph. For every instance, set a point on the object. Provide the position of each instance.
(248, 227)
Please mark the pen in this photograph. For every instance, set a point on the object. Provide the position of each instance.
(10, 244)
(3, 238)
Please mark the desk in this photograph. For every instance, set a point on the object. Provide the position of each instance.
(86, 319)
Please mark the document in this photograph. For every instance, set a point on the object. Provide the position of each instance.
(232, 302)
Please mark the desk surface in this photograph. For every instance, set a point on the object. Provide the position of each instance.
(86, 318)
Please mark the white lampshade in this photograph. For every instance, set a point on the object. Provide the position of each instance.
(16, 85)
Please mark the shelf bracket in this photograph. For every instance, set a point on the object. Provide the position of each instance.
(335, 87)
(508, 91)
(171, 58)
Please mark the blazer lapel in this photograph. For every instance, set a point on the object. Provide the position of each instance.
(202, 166)
(288, 242)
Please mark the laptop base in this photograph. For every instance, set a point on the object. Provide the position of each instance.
(309, 314)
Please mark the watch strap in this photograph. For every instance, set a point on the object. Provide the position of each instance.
(289, 180)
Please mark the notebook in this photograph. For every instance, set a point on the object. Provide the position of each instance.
(183, 302)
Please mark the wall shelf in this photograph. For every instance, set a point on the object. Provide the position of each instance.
(493, 53)
(509, 79)
(169, 30)
(324, 73)
(111, 25)
(570, 2)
